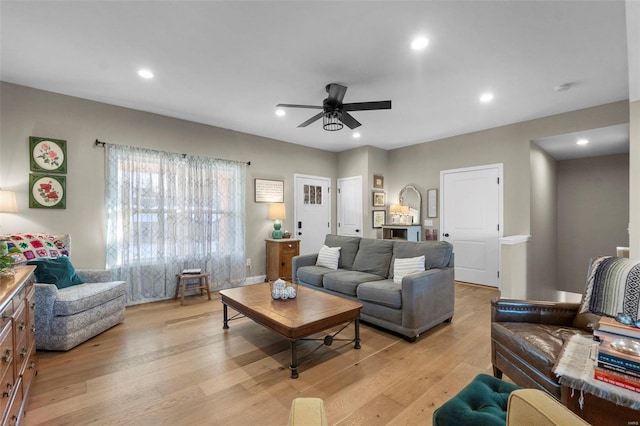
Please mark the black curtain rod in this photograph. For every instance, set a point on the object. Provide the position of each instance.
(102, 144)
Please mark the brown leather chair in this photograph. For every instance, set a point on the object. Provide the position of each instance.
(527, 336)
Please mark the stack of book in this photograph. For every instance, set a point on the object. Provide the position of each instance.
(621, 366)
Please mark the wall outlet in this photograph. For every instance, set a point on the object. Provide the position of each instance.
(248, 263)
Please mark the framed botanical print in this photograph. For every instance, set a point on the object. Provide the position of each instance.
(378, 199)
(378, 182)
(378, 218)
(48, 155)
(47, 191)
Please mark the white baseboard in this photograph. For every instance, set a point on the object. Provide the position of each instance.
(253, 280)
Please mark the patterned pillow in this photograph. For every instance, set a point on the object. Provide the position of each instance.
(328, 257)
(613, 286)
(25, 247)
(406, 266)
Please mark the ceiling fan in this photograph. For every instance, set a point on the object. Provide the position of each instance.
(334, 112)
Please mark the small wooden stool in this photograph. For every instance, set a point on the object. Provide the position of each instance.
(182, 284)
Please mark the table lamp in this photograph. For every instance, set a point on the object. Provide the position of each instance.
(8, 202)
(277, 212)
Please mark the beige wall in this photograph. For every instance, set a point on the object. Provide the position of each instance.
(365, 161)
(542, 251)
(29, 112)
(593, 214)
(634, 180)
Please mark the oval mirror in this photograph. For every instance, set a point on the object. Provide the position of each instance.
(410, 197)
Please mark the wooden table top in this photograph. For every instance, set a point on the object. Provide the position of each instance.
(310, 312)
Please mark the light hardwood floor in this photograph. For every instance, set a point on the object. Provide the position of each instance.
(174, 365)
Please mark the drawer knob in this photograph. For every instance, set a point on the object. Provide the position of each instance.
(7, 358)
(33, 328)
(7, 393)
(32, 365)
(23, 353)
(22, 326)
(290, 246)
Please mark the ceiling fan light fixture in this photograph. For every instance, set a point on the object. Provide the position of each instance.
(332, 121)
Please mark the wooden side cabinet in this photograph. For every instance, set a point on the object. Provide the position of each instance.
(279, 255)
(18, 362)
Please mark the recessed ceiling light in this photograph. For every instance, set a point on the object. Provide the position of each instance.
(419, 43)
(356, 135)
(144, 73)
(487, 97)
(281, 112)
(582, 142)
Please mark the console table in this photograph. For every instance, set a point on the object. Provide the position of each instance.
(18, 364)
(402, 232)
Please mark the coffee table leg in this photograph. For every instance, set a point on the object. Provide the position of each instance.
(294, 360)
(357, 325)
(225, 318)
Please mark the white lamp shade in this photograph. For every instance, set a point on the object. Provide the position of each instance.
(395, 208)
(8, 203)
(277, 211)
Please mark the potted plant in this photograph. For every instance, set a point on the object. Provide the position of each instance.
(6, 261)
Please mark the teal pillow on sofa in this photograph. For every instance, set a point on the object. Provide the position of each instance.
(58, 271)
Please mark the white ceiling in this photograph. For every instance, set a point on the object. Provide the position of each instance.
(603, 141)
(228, 63)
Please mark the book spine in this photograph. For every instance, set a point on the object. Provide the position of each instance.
(614, 380)
(619, 369)
(626, 331)
(614, 360)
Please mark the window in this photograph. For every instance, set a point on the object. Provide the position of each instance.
(167, 212)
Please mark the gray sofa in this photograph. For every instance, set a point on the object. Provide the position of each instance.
(365, 274)
(69, 316)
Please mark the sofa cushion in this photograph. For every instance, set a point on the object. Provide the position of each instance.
(328, 257)
(347, 281)
(79, 298)
(385, 292)
(348, 248)
(374, 257)
(58, 271)
(312, 274)
(437, 254)
(406, 266)
(536, 344)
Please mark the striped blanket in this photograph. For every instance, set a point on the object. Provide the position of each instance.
(613, 286)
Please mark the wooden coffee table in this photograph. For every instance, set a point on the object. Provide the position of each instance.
(310, 312)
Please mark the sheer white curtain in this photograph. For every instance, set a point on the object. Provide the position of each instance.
(167, 212)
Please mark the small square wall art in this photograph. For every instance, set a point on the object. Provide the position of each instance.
(47, 191)
(48, 155)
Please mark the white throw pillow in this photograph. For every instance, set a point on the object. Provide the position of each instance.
(406, 266)
(328, 257)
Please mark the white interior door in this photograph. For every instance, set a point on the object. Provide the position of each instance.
(471, 212)
(349, 201)
(312, 213)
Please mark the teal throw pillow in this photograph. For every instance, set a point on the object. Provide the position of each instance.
(57, 270)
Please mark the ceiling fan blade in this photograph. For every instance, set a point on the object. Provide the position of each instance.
(298, 106)
(312, 119)
(336, 93)
(366, 106)
(351, 122)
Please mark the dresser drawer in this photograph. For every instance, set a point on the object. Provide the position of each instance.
(30, 370)
(6, 352)
(14, 414)
(7, 389)
(21, 345)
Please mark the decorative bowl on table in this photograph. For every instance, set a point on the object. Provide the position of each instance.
(283, 290)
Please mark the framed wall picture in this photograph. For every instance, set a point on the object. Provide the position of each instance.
(432, 203)
(47, 191)
(378, 218)
(378, 199)
(378, 182)
(269, 191)
(47, 155)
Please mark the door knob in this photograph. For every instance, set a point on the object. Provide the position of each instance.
(299, 233)
(446, 234)
(357, 230)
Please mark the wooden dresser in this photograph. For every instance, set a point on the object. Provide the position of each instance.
(279, 255)
(18, 362)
